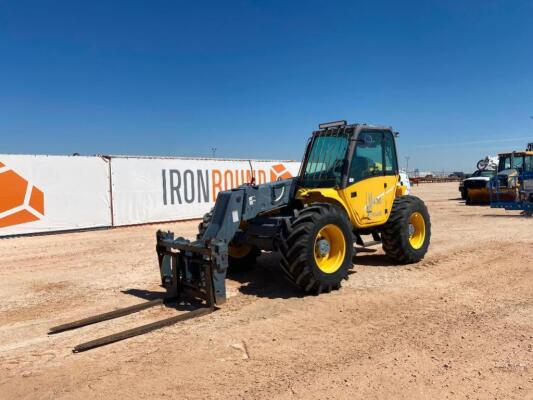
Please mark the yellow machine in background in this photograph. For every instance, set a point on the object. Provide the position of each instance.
(512, 187)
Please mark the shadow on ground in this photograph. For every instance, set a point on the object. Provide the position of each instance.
(373, 260)
(144, 294)
(506, 216)
(267, 279)
(148, 295)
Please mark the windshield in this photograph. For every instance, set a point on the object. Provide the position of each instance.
(508, 162)
(487, 173)
(323, 167)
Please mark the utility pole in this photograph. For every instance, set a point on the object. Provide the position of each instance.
(214, 151)
(407, 164)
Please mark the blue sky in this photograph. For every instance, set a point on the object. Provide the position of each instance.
(254, 78)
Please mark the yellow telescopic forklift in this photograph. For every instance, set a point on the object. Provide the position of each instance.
(347, 189)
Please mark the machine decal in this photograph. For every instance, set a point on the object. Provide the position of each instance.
(372, 201)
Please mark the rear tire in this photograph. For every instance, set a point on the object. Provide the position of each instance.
(247, 257)
(317, 247)
(407, 233)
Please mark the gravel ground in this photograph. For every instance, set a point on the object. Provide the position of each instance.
(459, 324)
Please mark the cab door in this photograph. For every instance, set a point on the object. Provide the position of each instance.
(372, 178)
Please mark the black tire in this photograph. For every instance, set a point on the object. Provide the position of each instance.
(463, 194)
(244, 263)
(297, 248)
(468, 199)
(396, 235)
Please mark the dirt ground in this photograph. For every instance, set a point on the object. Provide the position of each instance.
(457, 325)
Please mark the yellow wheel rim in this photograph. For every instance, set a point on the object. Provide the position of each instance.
(239, 251)
(417, 230)
(330, 248)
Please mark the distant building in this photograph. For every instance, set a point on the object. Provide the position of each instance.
(421, 174)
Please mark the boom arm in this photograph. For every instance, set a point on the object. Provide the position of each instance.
(185, 266)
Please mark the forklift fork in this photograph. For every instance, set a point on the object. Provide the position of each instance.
(186, 272)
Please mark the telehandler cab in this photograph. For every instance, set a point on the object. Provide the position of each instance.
(347, 189)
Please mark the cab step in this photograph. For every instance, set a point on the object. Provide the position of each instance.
(376, 239)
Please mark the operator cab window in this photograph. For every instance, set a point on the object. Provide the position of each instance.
(367, 161)
(529, 164)
(391, 163)
(505, 163)
(323, 167)
(517, 163)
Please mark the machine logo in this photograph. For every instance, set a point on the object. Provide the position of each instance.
(20, 201)
(279, 172)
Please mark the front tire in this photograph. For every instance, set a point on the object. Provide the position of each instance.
(407, 233)
(469, 200)
(317, 248)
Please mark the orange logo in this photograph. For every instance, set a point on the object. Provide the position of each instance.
(279, 172)
(20, 202)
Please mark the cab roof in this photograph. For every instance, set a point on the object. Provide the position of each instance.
(338, 128)
(516, 153)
